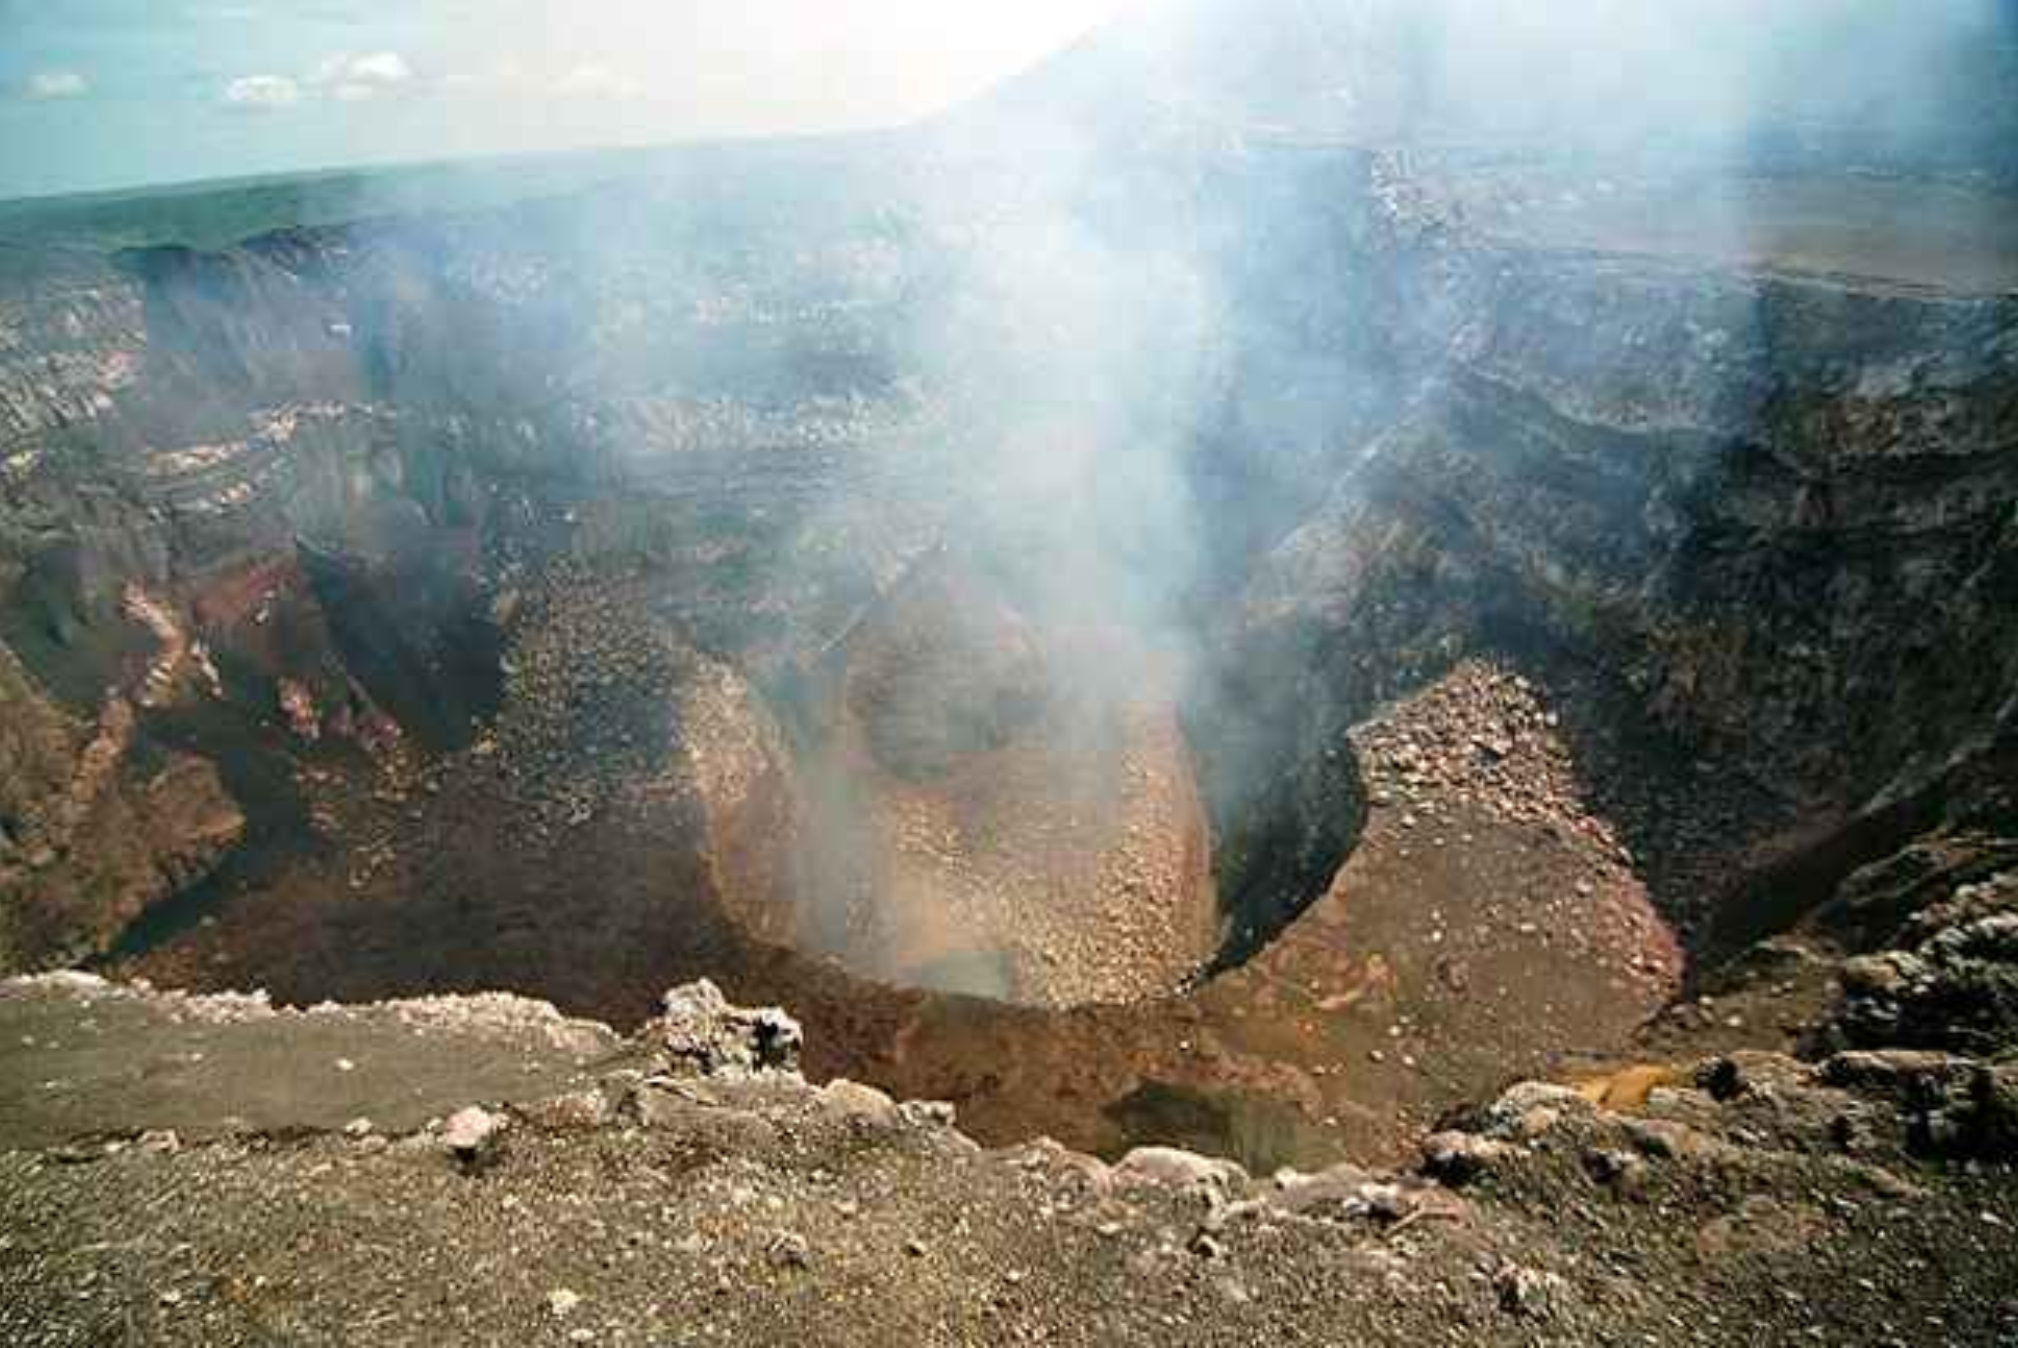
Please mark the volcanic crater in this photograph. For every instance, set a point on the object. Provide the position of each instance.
(1249, 646)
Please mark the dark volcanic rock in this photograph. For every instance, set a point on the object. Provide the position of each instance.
(1957, 989)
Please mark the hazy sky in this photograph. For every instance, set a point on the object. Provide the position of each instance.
(97, 93)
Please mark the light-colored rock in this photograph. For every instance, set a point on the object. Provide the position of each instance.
(789, 1250)
(1457, 1157)
(853, 1102)
(473, 1135)
(573, 1111)
(1528, 1293)
(928, 1113)
(1532, 1108)
(1169, 1167)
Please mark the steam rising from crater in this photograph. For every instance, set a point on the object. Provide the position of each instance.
(1032, 397)
(1049, 357)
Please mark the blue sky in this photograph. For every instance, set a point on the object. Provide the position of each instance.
(108, 93)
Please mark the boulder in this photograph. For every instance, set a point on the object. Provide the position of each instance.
(702, 1034)
(1897, 1074)
(852, 1102)
(1529, 1293)
(1169, 1167)
(473, 1136)
(573, 1111)
(1532, 1108)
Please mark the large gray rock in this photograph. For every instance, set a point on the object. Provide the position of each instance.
(702, 1034)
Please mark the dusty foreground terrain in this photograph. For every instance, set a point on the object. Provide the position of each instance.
(213, 1171)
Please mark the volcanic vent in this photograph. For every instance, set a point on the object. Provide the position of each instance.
(989, 803)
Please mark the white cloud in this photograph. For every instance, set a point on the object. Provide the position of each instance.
(593, 81)
(48, 85)
(385, 67)
(262, 93)
(353, 79)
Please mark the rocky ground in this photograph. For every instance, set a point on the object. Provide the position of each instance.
(1482, 744)
(488, 1172)
(1492, 923)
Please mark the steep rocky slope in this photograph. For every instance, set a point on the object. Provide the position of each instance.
(1769, 502)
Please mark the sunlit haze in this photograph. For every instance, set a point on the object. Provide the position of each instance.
(102, 93)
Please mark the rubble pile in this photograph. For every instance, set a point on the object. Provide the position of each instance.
(588, 697)
(1085, 876)
(1953, 985)
(1026, 823)
(700, 1033)
(1480, 737)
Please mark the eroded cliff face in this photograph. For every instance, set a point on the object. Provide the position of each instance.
(1774, 499)
(93, 833)
(325, 462)
(342, 460)
(1781, 505)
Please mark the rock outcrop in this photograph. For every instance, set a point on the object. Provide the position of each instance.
(1954, 987)
(701, 1033)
